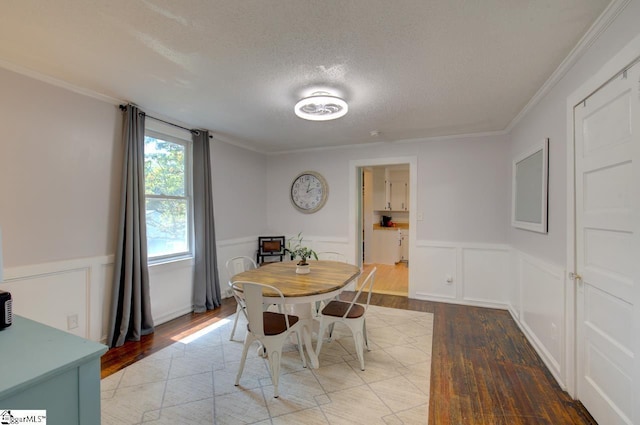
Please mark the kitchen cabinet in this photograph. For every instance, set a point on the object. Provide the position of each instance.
(380, 189)
(404, 245)
(390, 189)
(399, 190)
(385, 248)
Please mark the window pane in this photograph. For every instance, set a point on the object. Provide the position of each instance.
(164, 167)
(167, 230)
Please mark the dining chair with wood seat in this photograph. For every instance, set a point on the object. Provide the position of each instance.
(330, 256)
(352, 315)
(234, 266)
(270, 329)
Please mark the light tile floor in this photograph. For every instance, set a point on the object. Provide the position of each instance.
(192, 381)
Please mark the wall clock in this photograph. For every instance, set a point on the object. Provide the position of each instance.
(309, 192)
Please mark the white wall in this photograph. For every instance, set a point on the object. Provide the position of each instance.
(60, 166)
(541, 296)
(548, 119)
(461, 188)
(462, 193)
(239, 191)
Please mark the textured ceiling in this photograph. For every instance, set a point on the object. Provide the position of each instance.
(409, 69)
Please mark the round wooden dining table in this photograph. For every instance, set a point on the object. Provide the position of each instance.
(325, 280)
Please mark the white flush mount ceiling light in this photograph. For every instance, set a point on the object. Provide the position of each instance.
(321, 106)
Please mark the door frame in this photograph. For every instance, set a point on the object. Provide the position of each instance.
(628, 55)
(355, 207)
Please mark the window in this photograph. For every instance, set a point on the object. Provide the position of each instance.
(167, 176)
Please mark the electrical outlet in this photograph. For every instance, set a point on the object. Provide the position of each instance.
(72, 321)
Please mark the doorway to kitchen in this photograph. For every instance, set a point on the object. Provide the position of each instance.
(385, 225)
(383, 220)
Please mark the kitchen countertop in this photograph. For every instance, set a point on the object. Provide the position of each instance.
(396, 226)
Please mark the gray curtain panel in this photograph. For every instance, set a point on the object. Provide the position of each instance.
(206, 286)
(130, 305)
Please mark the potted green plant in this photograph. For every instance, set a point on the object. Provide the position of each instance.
(296, 249)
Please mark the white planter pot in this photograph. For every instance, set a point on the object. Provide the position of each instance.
(303, 269)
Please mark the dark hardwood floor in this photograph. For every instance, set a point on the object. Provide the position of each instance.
(166, 334)
(483, 371)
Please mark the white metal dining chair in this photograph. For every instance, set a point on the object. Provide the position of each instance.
(271, 329)
(332, 256)
(350, 314)
(234, 266)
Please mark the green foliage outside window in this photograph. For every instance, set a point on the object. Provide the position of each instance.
(166, 202)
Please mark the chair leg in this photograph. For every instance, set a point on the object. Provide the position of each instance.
(235, 322)
(300, 350)
(358, 340)
(331, 331)
(247, 343)
(366, 338)
(357, 328)
(274, 367)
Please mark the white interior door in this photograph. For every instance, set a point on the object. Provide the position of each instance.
(607, 129)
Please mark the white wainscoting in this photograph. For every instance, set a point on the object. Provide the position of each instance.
(325, 244)
(171, 289)
(461, 273)
(535, 292)
(49, 293)
(540, 310)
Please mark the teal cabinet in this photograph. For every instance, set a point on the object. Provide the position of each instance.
(43, 368)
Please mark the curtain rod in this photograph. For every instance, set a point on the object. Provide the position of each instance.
(190, 130)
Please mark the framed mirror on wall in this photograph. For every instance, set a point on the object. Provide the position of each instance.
(530, 185)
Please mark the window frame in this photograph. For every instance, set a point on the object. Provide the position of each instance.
(157, 131)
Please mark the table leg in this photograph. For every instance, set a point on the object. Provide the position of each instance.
(311, 352)
(303, 311)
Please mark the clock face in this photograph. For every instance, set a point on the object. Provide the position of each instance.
(309, 192)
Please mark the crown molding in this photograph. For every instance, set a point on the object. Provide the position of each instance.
(59, 83)
(390, 142)
(325, 148)
(593, 33)
(229, 141)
